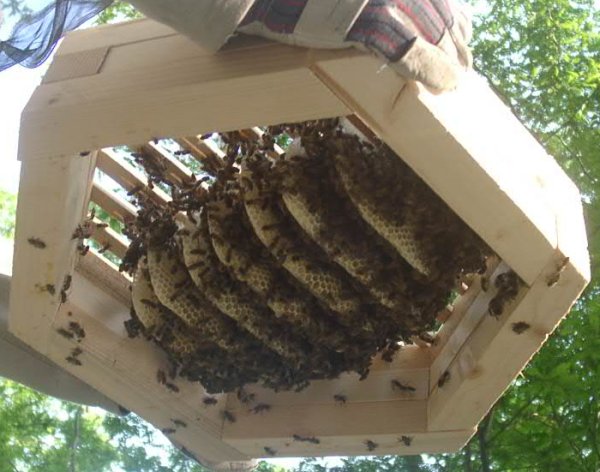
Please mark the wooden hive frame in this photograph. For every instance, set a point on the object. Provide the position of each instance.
(128, 83)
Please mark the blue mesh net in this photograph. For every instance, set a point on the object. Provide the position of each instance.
(29, 29)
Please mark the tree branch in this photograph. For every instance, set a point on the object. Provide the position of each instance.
(75, 441)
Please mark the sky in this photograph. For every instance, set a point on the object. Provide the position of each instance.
(16, 86)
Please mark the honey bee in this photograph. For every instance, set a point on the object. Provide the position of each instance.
(371, 446)
(172, 387)
(37, 243)
(553, 279)
(520, 327)
(209, 401)
(270, 451)
(228, 416)
(308, 439)
(340, 399)
(244, 397)
(64, 333)
(261, 407)
(161, 377)
(406, 440)
(397, 385)
(76, 329)
(179, 423)
(84, 153)
(50, 288)
(168, 431)
(443, 379)
(73, 360)
(76, 352)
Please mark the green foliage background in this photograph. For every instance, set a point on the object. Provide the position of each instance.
(543, 56)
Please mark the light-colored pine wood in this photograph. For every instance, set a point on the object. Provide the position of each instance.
(168, 86)
(494, 354)
(174, 169)
(110, 240)
(115, 205)
(127, 372)
(53, 197)
(432, 443)
(125, 175)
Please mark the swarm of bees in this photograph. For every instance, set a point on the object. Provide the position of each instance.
(283, 268)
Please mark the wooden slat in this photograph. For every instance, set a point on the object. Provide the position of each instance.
(494, 354)
(199, 148)
(107, 237)
(174, 169)
(125, 175)
(430, 443)
(466, 313)
(467, 319)
(113, 204)
(106, 276)
(360, 419)
(481, 170)
(174, 88)
(114, 35)
(410, 367)
(52, 201)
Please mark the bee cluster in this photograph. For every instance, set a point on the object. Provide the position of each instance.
(282, 268)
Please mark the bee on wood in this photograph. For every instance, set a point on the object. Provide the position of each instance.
(228, 416)
(340, 399)
(397, 385)
(161, 377)
(73, 360)
(553, 279)
(208, 401)
(76, 352)
(181, 424)
(168, 431)
(67, 282)
(83, 249)
(388, 354)
(76, 329)
(64, 333)
(84, 153)
(37, 243)
(50, 288)
(261, 407)
(406, 440)
(133, 327)
(371, 446)
(270, 451)
(520, 327)
(308, 439)
(244, 397)
(443, 379)
(172, 387)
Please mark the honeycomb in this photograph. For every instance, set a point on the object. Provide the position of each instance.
(282, 268)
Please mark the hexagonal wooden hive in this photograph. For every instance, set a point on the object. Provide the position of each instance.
(142, 85)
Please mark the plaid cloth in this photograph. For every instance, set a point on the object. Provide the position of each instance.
(423, 40)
